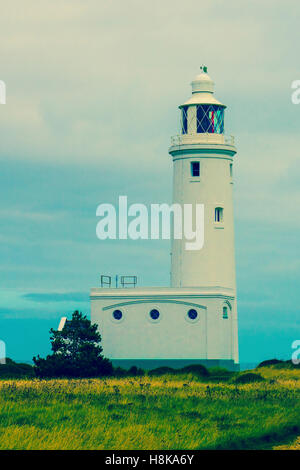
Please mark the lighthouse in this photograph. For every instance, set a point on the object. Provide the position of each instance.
(195, 319)
(203, 173)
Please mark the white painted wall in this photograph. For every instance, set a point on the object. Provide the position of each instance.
(214, 264)
(173, 336)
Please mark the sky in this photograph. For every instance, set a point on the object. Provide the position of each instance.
(93, 90)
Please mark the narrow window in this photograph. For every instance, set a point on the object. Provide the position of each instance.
(219, 214)
(195, 168)
(230, 170)
(225, 312)
(184, 120)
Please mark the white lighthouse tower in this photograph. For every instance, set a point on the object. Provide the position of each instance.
(194, 320)
(203, 173)
(203, 169)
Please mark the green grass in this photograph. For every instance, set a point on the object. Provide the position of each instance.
(158, 412)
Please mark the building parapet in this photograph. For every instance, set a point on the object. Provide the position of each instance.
(201, 138)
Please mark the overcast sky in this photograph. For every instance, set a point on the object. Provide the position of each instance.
(92, 94)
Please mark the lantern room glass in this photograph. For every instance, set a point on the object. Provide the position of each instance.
(210, 119)
(184, 120)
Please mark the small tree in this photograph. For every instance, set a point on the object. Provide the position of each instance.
(76, 351)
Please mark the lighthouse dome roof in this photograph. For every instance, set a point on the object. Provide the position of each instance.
(203, 83)
(203, 90)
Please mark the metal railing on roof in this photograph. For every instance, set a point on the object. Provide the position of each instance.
(125, 281)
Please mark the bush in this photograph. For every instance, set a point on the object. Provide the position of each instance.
(278, 364)
(136, 371)
(14, 370)
(119, 372)
(269, 362)
(197, 369)
(247, 378)
(56, 366)
(291, 365)
(161, 371)
(218, 374)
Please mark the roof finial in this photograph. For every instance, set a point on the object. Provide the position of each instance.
(203, 68)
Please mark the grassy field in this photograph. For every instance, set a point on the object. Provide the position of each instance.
(167, 412)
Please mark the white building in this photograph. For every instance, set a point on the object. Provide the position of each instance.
(194, 320)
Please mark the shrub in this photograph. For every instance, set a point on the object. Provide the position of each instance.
(218, 374)
(269, 362)
(291, 365)
(136, 371)
(197, 369)
(119, 372)
(161, 371)
(278, 364)
(56, 366)
(13, 369)
(248, 377)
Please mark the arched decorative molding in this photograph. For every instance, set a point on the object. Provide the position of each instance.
(134, 302)
(226, 302)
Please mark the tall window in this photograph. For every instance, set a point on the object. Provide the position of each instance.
(184, 121)
(195, 168)
(225, 312)
(230, 170)
(219, 214)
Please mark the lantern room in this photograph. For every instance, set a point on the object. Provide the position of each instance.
(202, 113)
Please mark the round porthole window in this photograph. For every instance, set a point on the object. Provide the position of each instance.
(117, 314)
(192, 314)
(154, 314)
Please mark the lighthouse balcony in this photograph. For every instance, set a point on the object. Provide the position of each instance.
(202, 138)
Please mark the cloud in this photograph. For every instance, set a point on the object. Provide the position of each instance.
(91, 82)
(7, 313)
(57, 297)
(92, 95)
